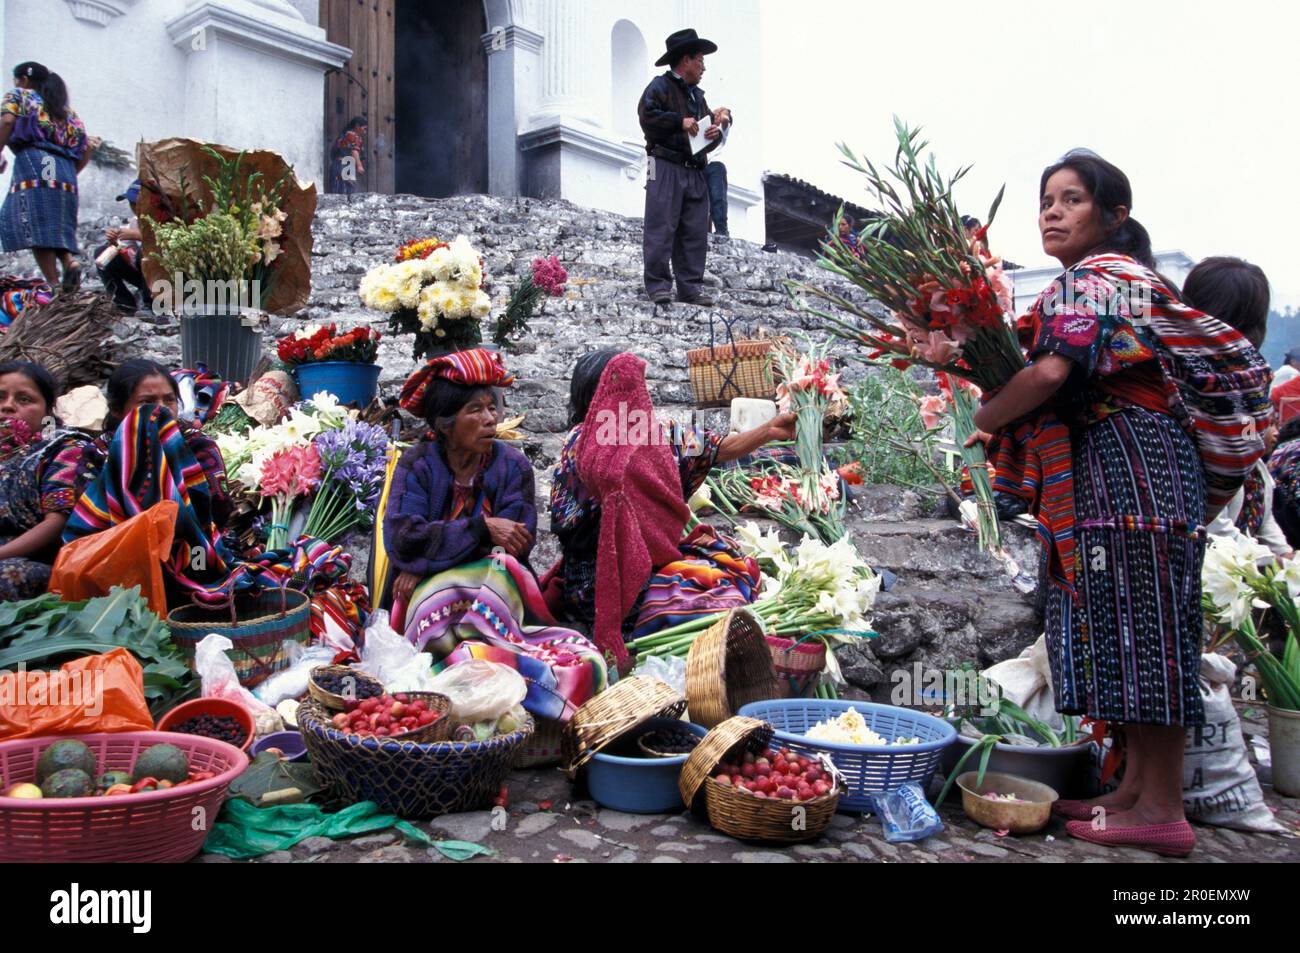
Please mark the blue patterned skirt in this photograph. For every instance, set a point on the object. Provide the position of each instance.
(1128, 647)
(40, 210)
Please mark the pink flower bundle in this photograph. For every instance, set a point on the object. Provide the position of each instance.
(291, 473)
(549, 275)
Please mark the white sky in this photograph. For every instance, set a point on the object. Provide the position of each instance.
(1198, 102)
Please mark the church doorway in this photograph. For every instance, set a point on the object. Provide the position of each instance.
(441, 98)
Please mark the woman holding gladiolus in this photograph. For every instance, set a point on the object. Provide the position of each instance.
(1123, 498)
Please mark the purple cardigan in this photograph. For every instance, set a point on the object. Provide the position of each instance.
(419, 541)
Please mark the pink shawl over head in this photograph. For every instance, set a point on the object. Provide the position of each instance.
(634, 475)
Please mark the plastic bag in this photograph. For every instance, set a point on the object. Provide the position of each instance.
(219, 680)
(393, 660)
(670, 670)
(245, 831)
(292, 681)
(906, 815)
(1219, 784)
(92, 694)
(479, 690)
(129, 554)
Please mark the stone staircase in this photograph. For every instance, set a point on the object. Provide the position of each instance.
(952, 603)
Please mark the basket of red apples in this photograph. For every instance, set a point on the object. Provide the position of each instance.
(405, 716)
(754, 792)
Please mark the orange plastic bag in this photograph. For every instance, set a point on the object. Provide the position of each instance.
(130, 554)
(96, 693)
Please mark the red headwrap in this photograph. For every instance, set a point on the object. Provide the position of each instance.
(476, 368)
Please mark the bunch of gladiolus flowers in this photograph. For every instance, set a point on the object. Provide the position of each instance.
(949, 301)
(808, 390)
(286, 476)
(323, 343)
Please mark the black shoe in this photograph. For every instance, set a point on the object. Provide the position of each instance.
(663, 299)
(701, 299)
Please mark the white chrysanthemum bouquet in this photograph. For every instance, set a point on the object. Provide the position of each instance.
(433, 290)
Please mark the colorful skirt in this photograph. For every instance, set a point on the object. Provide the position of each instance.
(40, 210)
(492, 609)
(1127, 648)
(712, 576)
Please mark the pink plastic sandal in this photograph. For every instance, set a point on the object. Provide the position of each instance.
(1072, 810)
(1168, 840)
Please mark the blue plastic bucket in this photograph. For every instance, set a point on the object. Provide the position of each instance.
(348, 381)
(638, 785)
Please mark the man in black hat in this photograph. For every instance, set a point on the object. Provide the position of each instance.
(676, 228)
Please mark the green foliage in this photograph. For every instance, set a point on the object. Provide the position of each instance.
(888, 435)
(44, 632)
(213, 248)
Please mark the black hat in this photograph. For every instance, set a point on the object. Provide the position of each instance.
(685, 41)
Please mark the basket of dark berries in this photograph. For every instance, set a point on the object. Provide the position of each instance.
(217, 718)
(669, 741)
(337, 686)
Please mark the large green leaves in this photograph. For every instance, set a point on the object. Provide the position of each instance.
(44, 632)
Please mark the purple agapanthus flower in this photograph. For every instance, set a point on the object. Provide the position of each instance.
(354, 459)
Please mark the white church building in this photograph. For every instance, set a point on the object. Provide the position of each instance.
(507, 97)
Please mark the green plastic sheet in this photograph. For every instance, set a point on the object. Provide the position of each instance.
(244, 831)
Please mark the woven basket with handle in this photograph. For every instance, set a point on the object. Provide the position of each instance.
(257, 625)
(726, 371)
(740, 814)
(624, 706)
(728, 667)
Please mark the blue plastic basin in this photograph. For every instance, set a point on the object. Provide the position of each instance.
(638, 785)
(348, 381)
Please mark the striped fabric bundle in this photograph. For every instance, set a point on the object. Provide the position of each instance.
(1217, 383)
(149, 461)
(492, 609)
(1033, 461)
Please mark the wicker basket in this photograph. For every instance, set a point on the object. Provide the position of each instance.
(544, 748)
(331, 700)
(624, 706)
(260, 627)
(727, 667)
(719, 374)
(437, 730)
(745, 816)
(407, 778)
(797, 665)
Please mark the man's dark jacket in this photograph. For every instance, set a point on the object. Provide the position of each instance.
(663, 106)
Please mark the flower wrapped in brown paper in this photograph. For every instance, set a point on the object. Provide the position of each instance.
(174, 186)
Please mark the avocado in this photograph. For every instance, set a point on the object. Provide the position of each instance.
(109, 778)
(70, 782)
(68, 753)
(164, 762)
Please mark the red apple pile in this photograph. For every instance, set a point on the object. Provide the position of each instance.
(782, 775)
(386, 716)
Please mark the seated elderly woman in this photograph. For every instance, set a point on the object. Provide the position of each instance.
(41, 468)
(147, 454)
(459, 525)
(618, 506)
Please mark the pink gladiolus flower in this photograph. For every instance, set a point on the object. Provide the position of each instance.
(936, 347)
(932, 411)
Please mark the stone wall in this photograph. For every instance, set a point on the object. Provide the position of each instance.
(952, 603)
